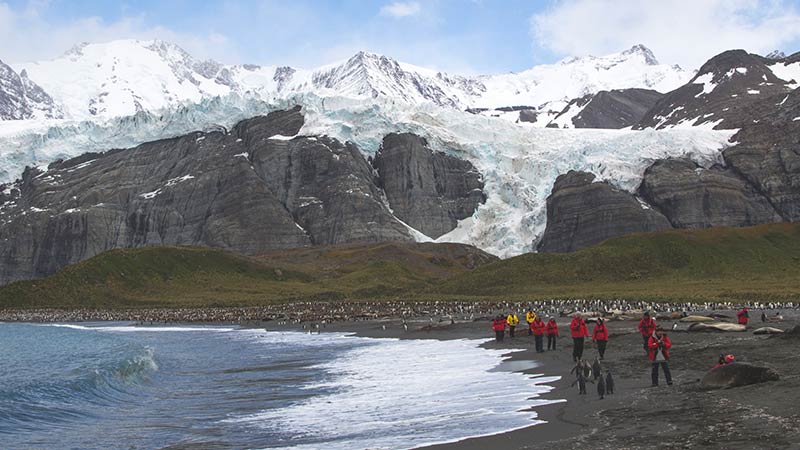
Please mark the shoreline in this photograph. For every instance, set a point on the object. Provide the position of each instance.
(636, 416)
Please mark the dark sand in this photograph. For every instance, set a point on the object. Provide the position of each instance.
(637, 416)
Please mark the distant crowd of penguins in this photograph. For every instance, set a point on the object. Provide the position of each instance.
(321, 313)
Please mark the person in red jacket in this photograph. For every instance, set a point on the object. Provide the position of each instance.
(579, 331)
(647, 326)
(552, 332)
(600, 337)
(743, 316)
(658, 352)
(499, 327)
(538, 327)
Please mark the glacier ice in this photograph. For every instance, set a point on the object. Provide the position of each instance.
(519, 163)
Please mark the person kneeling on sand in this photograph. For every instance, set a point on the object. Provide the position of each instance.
(723, 360)
(499, 327)
(658, 353)
(552, 332)
(600, 337)
(538, 328)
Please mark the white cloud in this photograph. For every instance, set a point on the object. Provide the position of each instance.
(687, 32)
(26, 35)
(401, 9)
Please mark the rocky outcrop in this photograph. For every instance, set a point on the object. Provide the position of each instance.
(728, 92)
(430, 191)
(767, 155)
(693, 197)
(255, 188)
(21, 98)
(615, 109)
(582, 212)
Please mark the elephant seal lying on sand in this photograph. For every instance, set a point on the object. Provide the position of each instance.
(737, 374)
(768, 330)
(697, 319)
(721, 326)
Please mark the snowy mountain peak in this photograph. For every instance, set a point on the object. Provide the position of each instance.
(121, 78)
(21, 98)
(645, 52)
(775, 54)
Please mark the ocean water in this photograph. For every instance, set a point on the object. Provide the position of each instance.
(122, 386)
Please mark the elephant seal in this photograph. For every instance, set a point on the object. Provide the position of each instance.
(697, 319)
(768, 330)
(670, 316)
(722, 326)
(737, 374)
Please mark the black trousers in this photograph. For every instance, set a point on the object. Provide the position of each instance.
(530, 332)
(577, 348)
(645, 340)
(665, 368)
(511, 331)
(498, 335)
(601, 348)
(539, 342)
(551, 341)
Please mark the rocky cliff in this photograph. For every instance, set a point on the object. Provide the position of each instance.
(582, 212)
(430, 191)
(254, 188)
(693, 197)
(615, 109)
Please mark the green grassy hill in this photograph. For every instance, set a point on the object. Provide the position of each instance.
(757, 263)
(175, 277)
(761, 262)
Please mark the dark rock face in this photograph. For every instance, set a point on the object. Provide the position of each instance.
(693, 197)
(731, 88)
(581, 213)
(527, 115)
(249, 190)
(428, 190)
(21, 98)
(612, 109)
(768, 155)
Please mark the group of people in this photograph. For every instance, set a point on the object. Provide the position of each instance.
(539, 329)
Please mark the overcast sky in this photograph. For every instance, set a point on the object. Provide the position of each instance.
(466, 36)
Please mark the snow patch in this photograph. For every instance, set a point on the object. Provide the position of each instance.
(707, 80)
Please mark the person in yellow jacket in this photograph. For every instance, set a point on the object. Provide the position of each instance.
(512, 320)
(530, 317)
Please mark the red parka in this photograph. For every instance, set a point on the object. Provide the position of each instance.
(600, 332)
(743, 316)
(552, 328)
(538, 327)
(499, 324)
(652, 347)
(578, 328)
(647, 326)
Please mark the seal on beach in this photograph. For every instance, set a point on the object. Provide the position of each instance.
(737, 374)
(697, 319)
(721, 326)
(767, 330)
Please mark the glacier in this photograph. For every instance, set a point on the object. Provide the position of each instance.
(519, 162)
